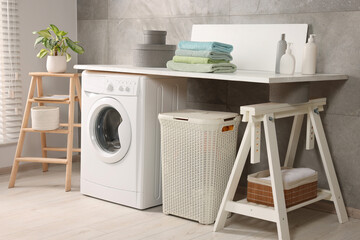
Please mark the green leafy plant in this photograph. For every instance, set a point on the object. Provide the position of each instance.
(56, 43)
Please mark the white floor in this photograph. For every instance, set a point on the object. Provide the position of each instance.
(38, 208)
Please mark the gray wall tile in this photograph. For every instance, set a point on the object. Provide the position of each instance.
(342, 97)
(206, 106)
(150, 9)
(181, 27)
(207, 91)
(212, 7)
(170, 8)
(92, 9)
(242, 93)
(243, 7)
(94, 38)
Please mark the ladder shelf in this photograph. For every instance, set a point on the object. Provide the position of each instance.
(65, 128)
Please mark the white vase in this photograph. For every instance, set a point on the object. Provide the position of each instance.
(56, 64)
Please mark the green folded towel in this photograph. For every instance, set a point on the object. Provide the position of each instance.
(204, 54)
(196, 60)
(208, 46)
(204, 68)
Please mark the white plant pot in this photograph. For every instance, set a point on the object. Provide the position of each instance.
(56, 64)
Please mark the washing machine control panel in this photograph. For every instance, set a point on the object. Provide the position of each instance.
(126, 87)
(112, 84)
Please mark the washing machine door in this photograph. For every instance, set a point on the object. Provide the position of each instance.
(109, 129)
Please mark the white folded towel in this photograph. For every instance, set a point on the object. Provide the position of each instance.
(292, 177)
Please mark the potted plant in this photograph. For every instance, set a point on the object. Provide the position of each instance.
(56, 44)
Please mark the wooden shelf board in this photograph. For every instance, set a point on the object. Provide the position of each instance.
(61, 131)
(243, 207)
(52, 98)
(37, 100)
(322, 195)
(264, 212)
(47, 74)
(56, 149)
(49, 101)
(42, 160)
(66, 124)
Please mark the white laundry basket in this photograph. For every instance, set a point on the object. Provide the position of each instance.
(198, 150)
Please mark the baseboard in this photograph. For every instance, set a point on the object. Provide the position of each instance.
(26, 166)
(23, 167)
(322, 206)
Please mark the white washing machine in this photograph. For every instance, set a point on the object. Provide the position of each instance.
(120, 150)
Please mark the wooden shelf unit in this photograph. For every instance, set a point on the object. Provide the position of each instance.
(65, 128)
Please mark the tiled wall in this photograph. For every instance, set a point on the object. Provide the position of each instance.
(108, 28)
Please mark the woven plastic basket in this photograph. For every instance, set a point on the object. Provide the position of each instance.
(198, 150)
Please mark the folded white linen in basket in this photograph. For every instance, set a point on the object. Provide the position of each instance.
(292, 177)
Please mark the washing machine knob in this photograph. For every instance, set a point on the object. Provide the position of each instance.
(121, 88)
(127, 89)
(110, 88)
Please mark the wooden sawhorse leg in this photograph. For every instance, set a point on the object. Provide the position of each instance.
(276, 177)
(234, 179)
(328, 165)
(293, 141)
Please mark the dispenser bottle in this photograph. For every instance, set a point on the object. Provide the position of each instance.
(287, 61)
(281, 48)
(309, 56)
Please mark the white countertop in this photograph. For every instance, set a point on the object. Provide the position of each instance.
(240, 75)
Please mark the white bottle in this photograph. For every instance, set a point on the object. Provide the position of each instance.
(281, 48)
(287, 61)
(309, 56)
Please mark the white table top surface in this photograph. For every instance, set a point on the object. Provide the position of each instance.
(239, 75)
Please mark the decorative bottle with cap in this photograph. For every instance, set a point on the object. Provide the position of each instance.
(309, 56)
(287, 61)
(281, 47)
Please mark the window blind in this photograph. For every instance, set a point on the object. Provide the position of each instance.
(10, 83)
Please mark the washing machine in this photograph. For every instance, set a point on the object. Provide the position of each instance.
(120, 135)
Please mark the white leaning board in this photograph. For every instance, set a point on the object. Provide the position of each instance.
(254, 44)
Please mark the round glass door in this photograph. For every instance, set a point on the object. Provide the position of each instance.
(109, 129)
(106, 129)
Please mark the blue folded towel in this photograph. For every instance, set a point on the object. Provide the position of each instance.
(207, 46)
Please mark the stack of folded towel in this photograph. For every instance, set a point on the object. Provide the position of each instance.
(202, 57)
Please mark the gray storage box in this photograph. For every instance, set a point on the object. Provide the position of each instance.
(152, 55)
(154, 37)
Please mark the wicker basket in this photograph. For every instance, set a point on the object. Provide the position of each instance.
(198, 150)
(300, 190)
